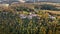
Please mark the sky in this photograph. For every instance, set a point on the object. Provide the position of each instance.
(32, 0)
(51, 0)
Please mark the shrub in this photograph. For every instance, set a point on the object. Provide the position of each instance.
(47, 7)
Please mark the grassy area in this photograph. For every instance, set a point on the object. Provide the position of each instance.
(24, 20)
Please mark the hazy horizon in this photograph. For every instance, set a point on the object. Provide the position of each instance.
(33, 0)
